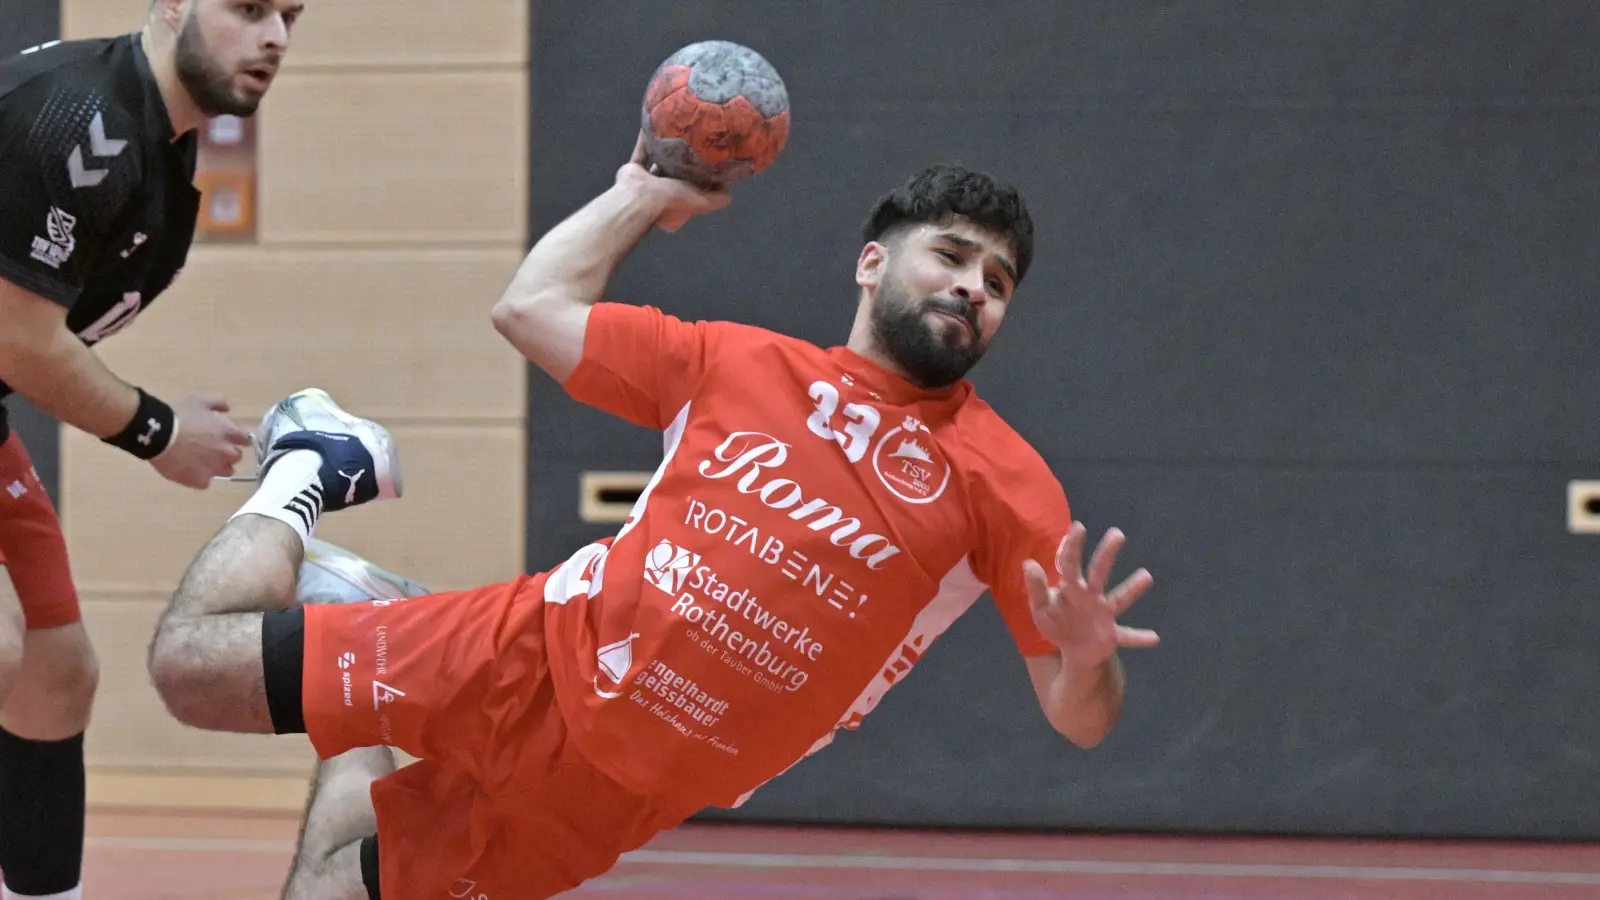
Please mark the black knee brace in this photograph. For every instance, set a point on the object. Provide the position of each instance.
(369, 866)
(283, 657)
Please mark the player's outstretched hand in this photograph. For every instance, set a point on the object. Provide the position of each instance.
(1080, 616)
(207, 445)
(680, 200)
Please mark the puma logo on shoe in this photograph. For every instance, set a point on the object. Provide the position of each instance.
(350, 495)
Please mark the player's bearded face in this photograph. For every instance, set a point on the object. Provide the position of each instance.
(934, 352)
(217, 88)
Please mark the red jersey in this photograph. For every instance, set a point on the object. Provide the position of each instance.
(815, 523)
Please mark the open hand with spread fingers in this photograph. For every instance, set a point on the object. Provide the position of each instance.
(1080, 616)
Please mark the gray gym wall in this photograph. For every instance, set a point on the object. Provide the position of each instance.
(1310, 320)
(23, 24)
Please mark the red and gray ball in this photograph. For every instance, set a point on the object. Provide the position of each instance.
(715, 112)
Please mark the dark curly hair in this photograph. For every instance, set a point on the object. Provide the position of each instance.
(939, 193)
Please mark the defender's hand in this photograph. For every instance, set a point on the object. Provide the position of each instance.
(207, 445)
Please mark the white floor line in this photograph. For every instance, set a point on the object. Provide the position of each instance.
(950, 864)
(1106, 867)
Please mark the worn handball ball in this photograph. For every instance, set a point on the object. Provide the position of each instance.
(715, 112)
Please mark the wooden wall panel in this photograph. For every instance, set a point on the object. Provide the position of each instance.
(96, 18)
(395, 156)
(392, 212)
(386, 34)
(390, 333)
(364, 33)
(458, 525)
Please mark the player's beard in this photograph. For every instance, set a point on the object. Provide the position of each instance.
(208, 85)
(930, 357)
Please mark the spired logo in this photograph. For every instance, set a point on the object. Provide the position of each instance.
(748, 455)
(914, 469)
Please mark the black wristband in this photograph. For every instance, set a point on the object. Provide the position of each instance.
(150, 430)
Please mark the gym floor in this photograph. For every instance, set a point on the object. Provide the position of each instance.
(135, 856)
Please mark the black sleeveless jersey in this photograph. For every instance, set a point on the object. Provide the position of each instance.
(97, 201)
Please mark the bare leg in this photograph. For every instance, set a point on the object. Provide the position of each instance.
(42, 782)
(12, 629)
(338, 817)
(53, 693)
(205, 658)
(48, 689)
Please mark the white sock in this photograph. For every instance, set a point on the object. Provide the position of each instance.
(74, 894)
(291, 493)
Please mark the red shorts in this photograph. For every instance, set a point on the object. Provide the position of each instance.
(501, 804)
(32, 547)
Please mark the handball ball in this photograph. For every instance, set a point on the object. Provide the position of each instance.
(715, 112)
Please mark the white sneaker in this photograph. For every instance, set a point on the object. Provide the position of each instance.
(359, 459)
(332, 574)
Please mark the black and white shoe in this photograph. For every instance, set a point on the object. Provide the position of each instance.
(359, 460)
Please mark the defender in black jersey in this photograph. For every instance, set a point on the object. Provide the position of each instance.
(97, 213)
